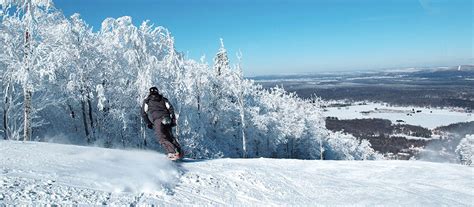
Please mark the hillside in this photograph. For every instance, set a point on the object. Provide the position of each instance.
(42, 173)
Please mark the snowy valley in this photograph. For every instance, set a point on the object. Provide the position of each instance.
(418, 116)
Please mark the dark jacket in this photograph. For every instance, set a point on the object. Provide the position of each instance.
(155, 106)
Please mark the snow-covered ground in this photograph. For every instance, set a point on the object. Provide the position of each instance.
(428, 117)
(42, 173)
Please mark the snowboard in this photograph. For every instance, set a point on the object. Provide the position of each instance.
(182, 160)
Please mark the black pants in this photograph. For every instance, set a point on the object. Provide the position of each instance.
(165, 137)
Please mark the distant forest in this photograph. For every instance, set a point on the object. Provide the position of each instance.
(386, 137)
(430, 87)
(402, 96)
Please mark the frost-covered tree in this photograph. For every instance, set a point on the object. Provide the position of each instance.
(84, 60)
(221, 65)
(28, 26)
(6, 78)
(221, 104)
(221, 61)
(25, 71)
(465, 150)
(241, 101)
(88, 86)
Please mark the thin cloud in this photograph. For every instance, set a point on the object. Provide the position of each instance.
(428, 6)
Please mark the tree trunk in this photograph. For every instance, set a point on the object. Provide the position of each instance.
(27, 114)
(321, 150)
(72, 114)
(6, 134)
(6, 110)
(199, 105)
(198, 96)
(244, 138)
(257, 147)
(143, 133)
(268, 145)
(292, 148)
(27, 87)
(122, 138)
(5, 123)
(91, 118)
(84, 119)
(71, 111)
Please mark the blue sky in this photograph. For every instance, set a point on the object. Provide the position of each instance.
(305, 36)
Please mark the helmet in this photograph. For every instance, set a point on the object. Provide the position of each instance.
(154, 90)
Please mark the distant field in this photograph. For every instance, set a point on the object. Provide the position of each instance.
(425, 117)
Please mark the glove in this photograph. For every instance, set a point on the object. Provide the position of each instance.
(166, 121)
(150, 126)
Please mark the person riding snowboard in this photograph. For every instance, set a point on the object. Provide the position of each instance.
(158, 114)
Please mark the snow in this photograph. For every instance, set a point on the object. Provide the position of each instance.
(94, 168)
(42, 173)
(415, 137)
(428, 117)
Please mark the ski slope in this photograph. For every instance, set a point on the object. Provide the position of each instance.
(43, 173)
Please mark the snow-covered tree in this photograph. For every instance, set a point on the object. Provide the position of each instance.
(221, 61)
(84, 60)
(28, 54)
(89, 86)
(241, 101)
(465, 150)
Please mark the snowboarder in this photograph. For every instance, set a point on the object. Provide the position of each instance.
(158, 114)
